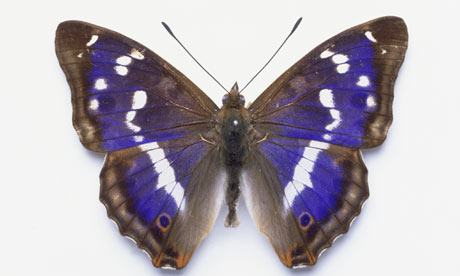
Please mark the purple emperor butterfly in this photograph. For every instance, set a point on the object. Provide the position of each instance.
(173, 157)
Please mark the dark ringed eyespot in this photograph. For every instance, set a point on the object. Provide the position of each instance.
(164, 221)
(305, 220)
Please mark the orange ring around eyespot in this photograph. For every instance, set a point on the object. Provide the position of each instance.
(302, 224)
(160, 224)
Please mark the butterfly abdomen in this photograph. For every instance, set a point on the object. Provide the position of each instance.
(234, 150)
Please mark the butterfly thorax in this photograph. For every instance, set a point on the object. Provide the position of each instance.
(233, 121)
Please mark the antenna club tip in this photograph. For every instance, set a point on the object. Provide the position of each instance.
(167, 28)
(297, 23)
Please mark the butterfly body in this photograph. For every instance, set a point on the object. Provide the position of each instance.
(233, 127)
(173, 157)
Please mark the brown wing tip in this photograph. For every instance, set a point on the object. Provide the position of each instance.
(150, 243)
(297, 257)
(171, 258)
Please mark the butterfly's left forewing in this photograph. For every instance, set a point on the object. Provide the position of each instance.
(161, 181)
(305, 179)
(342, 91)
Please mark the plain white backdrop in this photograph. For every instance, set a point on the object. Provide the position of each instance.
(52, 222)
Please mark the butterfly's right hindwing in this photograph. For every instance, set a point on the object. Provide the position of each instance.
(162, 183)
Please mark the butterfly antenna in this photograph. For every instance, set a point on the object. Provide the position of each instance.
(178, 41)
(263, 67)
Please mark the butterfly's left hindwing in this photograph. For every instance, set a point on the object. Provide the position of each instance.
(303, 194)
(305, 180)
(161, 181)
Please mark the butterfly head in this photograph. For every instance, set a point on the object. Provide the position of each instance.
(233, 99)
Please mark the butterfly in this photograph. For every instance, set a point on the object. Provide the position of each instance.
(173, 157)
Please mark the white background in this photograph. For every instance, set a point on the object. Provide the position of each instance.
(52, 222)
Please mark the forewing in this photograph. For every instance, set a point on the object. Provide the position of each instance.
(123, 94)
(161, 181)
(303, 194)
(342, 91)
(164, 195)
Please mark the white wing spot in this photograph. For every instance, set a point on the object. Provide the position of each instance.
(290, 193)
(306, 164)
(129, 117)
(178, 193)
(100, 84)
(384, 51)
(335, 114)
(139, 99)
(162, 166)
(80, 55)
(124, 60)
(370, 101)
(154, 152)
(326, 98)
(318, 144)
(311, 153)
(327, 137)
(363, 81)
(369, 36)
(166, 177)
(343, 68)
(136, 54)
(93, 40)
(301, 174)
(149, 146)
(339, 58)
(121, 70)
(94, 104)
(327, 53)
(138, 138)
(133, 127)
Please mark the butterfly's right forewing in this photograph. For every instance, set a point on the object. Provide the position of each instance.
(161, 181)
(123, 94)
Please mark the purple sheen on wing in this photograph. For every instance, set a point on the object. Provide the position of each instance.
(152, 185)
